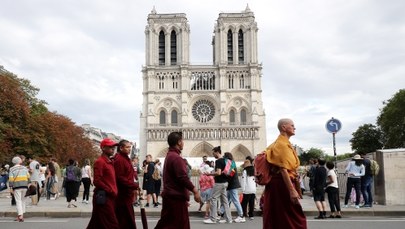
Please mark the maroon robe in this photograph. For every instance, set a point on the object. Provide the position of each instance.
(126, 185)
(103, 216)
(278, 210)
(176, 193)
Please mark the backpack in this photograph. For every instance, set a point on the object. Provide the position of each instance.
(262, 169)
(230, 168)
(374, 167)
(70, 174)
(156, 174)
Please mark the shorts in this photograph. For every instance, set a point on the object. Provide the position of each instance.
(206, 195)
(319, 194)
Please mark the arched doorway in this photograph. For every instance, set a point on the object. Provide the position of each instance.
(240, 152)
(202, 149)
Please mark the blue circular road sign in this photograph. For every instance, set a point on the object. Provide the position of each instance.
(333, 125)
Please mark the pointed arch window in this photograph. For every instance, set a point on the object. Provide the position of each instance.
(162, 48)
(243, 117)
(230, 47)
(242, 82)
(241, 54)
(230, 81)
(173, 48)
(174, 118)
(162, 118)
(232, 117)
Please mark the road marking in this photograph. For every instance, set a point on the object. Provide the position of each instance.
(38, 220)
(358, 220)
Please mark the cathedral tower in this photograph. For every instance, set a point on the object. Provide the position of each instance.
(218, 104)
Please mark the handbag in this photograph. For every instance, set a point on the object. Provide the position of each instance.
(3, 182)
(32, 190)
(101, 197)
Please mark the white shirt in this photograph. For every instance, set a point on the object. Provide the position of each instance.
(34, 171)
(332, 175)
(86, 171)
(248, 183)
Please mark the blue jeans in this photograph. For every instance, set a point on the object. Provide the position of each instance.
(233, 198)
(366, 182)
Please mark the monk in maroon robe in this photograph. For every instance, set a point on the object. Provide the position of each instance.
(103, 215)
(281, 207)
(176, 187)
(126, 185)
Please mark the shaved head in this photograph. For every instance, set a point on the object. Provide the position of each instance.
(282, 122)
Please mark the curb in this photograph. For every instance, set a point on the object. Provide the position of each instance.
(86, 214)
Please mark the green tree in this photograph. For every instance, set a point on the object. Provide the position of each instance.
(392, 121)
(366, 139)
(311, 153)
(28, 128)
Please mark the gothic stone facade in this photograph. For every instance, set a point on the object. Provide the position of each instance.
(212, 105)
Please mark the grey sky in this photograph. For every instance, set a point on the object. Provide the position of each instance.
(320, 58)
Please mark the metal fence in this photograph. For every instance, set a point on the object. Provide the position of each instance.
(342, 181)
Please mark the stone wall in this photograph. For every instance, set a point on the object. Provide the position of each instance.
(390, 182)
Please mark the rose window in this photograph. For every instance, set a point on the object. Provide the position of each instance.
(203, 110)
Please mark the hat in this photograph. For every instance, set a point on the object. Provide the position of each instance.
(107, 142)
(206, 169)
(16, 160)
(357, 157)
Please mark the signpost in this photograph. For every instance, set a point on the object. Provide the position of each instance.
(333, 126)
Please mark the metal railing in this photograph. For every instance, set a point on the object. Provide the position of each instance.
(342, 183)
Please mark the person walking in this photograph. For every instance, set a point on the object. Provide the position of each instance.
(135, 165)
(332, 189)
(50, 180)
(157, 176)
(248, 185)
(319, 188)
(34, 169)
(206, 184)
(219, 190)
(18, 182)
(86, 180)
(58, 178)
(232, 193)
(105, 192)
(149, 181)
(125, 176)
(355, 170)
(176, 187)
(281, 206)
(72, 181)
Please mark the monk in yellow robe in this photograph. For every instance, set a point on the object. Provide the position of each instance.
(282, 209)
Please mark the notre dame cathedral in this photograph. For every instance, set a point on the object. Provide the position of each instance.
(212, 105)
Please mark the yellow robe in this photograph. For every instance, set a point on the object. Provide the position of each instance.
(282, 154)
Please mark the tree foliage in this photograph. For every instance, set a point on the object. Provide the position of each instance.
(315, 153)
(312, 153)
(29, 129)
(366, 139)
(392, 121)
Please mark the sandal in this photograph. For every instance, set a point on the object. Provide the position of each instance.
(20, 218)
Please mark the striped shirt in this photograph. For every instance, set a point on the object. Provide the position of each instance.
(18, 177)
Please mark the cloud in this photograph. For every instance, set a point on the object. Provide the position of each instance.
(321, 59)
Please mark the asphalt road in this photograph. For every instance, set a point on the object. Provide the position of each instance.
(196, 223)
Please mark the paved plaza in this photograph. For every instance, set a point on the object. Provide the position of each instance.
(58, 208)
